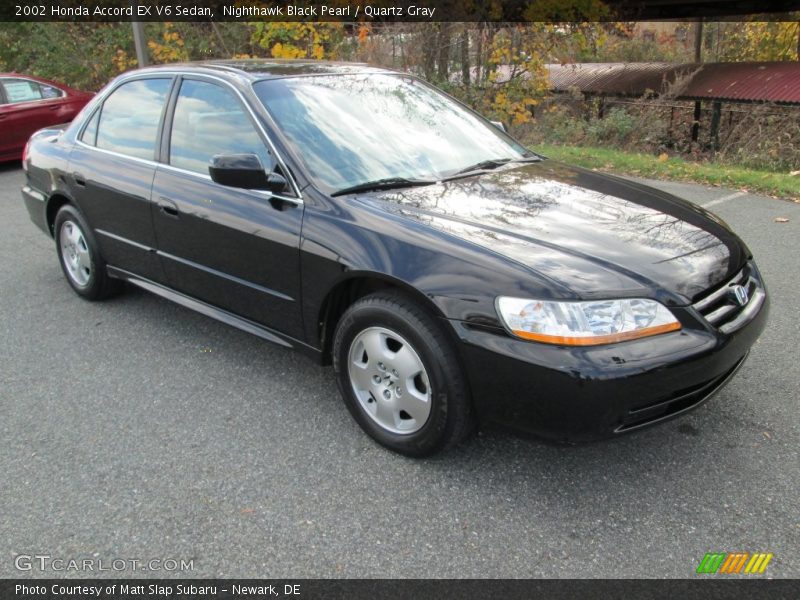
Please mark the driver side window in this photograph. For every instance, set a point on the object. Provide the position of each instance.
(209, 120)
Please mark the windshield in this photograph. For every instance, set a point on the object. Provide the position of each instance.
(354, 129)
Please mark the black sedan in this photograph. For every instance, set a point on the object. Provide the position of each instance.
(359, 215)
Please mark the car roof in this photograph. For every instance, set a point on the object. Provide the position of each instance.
(62, 86)
(268, 68)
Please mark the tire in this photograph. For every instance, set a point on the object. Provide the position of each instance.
(399, 377)
(79, 256)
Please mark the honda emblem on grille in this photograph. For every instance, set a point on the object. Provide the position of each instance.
(740, 293)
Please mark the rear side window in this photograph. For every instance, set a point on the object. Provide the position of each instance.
(130, 116)
(209, 120)
(21, 90)
(49, 92)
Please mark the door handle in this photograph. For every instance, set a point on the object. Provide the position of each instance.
(79, 179)
(167, 206)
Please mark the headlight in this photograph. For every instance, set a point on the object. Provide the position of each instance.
(585, 323)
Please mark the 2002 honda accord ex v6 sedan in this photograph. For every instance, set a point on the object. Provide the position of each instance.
(361, 216)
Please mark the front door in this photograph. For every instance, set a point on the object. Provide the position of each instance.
(233, 248)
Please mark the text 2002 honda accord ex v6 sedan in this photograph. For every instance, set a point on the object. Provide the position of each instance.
(357, 214)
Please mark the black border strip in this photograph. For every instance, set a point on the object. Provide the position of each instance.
(518, 11)
(705, 587)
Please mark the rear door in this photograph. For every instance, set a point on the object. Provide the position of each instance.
(236, 249)
(111, 173)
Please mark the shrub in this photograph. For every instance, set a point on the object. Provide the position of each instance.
(615, 129)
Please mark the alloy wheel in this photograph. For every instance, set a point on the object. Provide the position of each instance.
(75, 254)
(389, 379)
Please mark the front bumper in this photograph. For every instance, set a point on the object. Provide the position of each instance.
(577, 394)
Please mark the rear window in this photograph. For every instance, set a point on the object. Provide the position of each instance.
(130, 117)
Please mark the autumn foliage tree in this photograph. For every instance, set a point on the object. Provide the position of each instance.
(299, 40)
(755, 40)
(498, 68)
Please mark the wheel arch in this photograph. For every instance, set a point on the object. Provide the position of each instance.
(54, 204)
(353, 287)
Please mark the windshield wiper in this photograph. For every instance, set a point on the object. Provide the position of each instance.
(494, 163)
(484, 165)
(383, 184)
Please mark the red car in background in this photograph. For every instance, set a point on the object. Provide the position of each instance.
(28, 104)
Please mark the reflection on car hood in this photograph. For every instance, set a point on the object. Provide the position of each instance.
(595, 234)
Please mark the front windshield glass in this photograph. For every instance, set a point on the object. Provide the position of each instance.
(354, 129)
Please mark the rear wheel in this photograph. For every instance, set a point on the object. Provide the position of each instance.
(79, 256)
(399, 377)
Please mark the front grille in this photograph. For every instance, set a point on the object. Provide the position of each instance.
(727, 310)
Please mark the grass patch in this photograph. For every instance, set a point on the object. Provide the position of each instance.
(676, 169)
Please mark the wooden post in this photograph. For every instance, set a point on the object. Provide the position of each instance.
(716, 114)
(698, 58)
(696, 121)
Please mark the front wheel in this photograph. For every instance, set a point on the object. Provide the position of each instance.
(399, 376)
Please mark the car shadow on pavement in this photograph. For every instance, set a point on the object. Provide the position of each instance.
(504, 460)
(11, 165)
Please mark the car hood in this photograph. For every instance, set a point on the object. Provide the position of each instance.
(590, 234)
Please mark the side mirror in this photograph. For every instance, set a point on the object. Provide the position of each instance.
(244, 171)
(500, 125)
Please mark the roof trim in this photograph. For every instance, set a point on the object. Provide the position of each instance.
(254, 69)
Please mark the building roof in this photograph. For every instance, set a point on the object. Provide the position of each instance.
(748, 82)
(623, 79)
(777, 82)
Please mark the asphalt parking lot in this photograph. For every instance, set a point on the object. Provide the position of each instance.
(137, 429)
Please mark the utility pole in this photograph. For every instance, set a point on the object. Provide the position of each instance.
(698, 58)
(138, 41)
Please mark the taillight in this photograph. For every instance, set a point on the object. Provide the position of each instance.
(25, 155)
